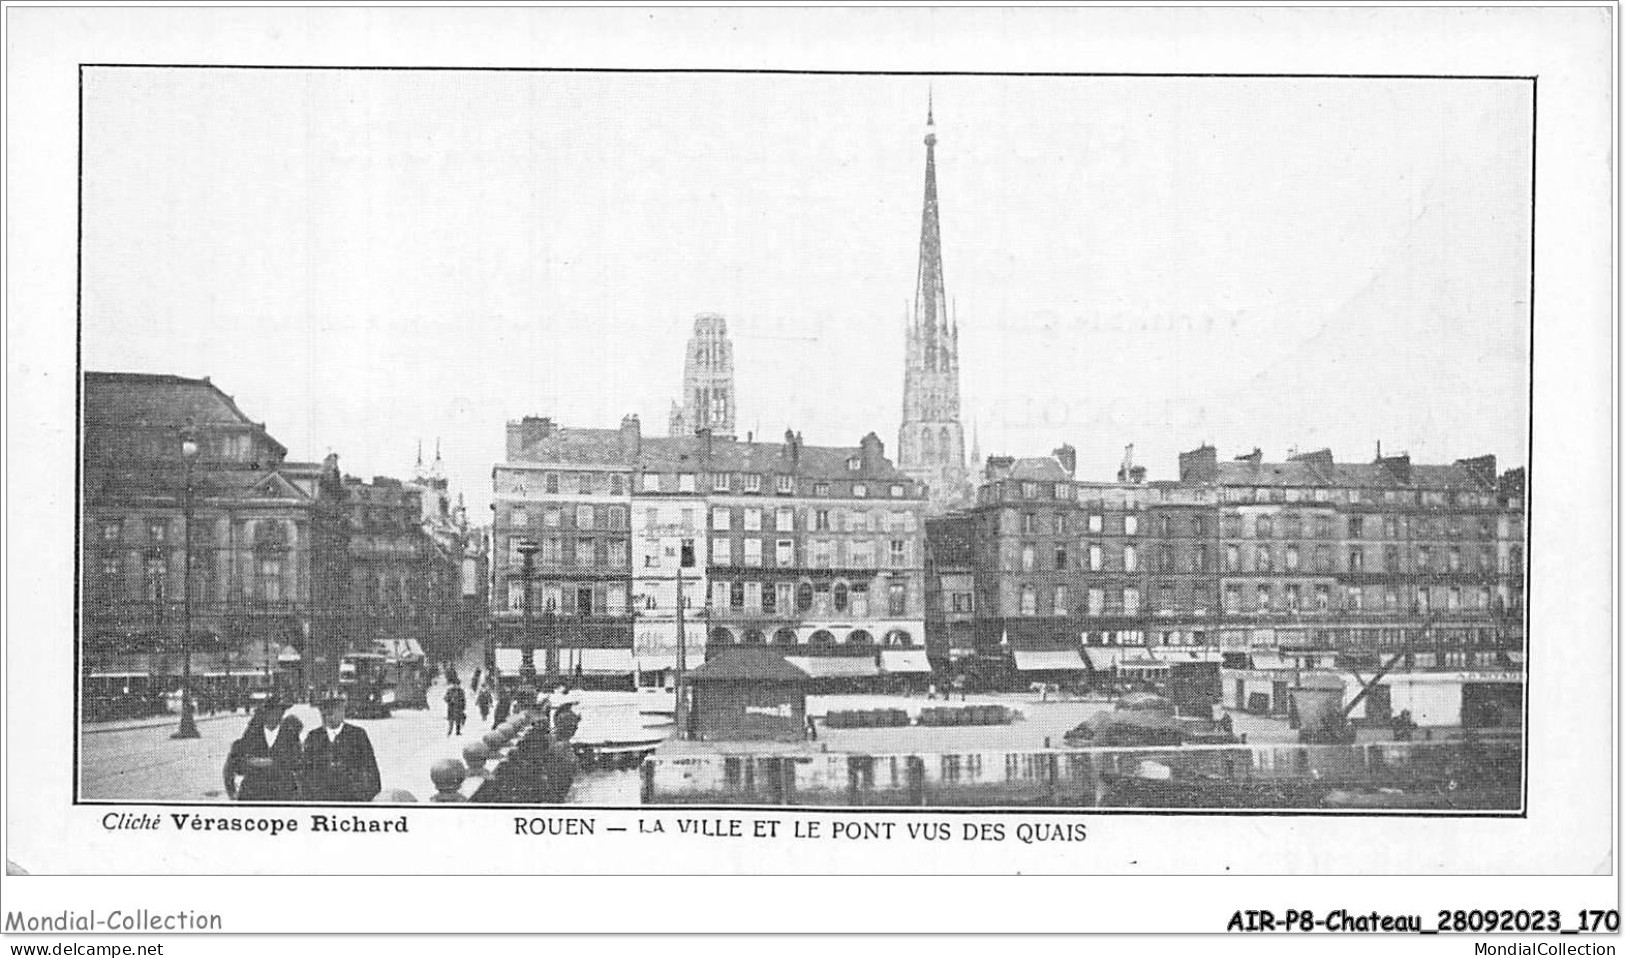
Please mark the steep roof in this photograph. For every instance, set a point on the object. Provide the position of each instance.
(1032, 468)
(747, 663)
(153, 399)
(1361, 475)
(581, 447)
(608, 449)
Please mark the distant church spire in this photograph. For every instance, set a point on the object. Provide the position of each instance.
(931, 441)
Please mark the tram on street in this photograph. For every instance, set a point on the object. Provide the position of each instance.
(366, 681)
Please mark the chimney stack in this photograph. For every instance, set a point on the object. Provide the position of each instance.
(1199, 465)
(631, 437)
(1482, 468)
(527, 432)
(872, 455)
(792, 448)
(1068, 458)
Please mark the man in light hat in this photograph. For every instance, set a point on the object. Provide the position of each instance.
(339, 762)
(266, 757)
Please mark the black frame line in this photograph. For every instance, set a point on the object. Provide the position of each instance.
(682, 808)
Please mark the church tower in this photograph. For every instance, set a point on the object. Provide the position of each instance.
(708, 381)
(931, 442)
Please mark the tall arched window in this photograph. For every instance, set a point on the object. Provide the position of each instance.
(804, 597)
(822, 637)
(721, 636)
(754, 637)
(946, 445)
(928, 445)
(898, 637)
(859, 637)
(840, 597)
(785, 636)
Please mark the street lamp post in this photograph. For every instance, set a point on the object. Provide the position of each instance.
(189, 451)
(527, 644)
(680, 707)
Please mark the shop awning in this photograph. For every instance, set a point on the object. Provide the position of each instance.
(904, 661)
(1103, 659)
(835, 667)
(1516, 658)
(1049, 660)
(1267, 660)
(597, 661)
(1140, 659)
(667, 661)
(1189, 656)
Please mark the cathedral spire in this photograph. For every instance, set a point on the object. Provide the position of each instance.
(930, 294)
(931, 442)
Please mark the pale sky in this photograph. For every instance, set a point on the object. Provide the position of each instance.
(366, 258)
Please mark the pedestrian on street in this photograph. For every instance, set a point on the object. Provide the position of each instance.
(812, 729)
(339, 764)
(474, 683)
(504, 705)
(266, 757)
(483, 702)
(456, 710)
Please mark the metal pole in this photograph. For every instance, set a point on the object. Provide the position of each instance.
(527, 666)
(188, 727)
(680, 714)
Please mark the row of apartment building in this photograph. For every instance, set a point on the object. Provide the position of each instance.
(1305, 554)
(829, 552)
(817, 549)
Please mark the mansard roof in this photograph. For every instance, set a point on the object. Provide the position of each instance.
(609, 449)
(135, 400)
(1357, 475)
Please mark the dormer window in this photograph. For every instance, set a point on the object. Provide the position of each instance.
(720, 482)
(897, 492)
(786, 484)
(854, 464)
(859, 490)
(821, 489)
(753, 483)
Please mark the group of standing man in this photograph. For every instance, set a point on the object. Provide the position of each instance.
(457, 701)
(334, 762)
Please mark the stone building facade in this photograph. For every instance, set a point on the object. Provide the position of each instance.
(817, 551)
(403, 584)
(260, 530)
(568, 493)
(1310, 559)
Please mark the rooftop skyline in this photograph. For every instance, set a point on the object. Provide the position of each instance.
(365, 260)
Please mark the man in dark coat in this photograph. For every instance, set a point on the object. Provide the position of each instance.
(266, 758)
(339, 762)
(456, 710)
